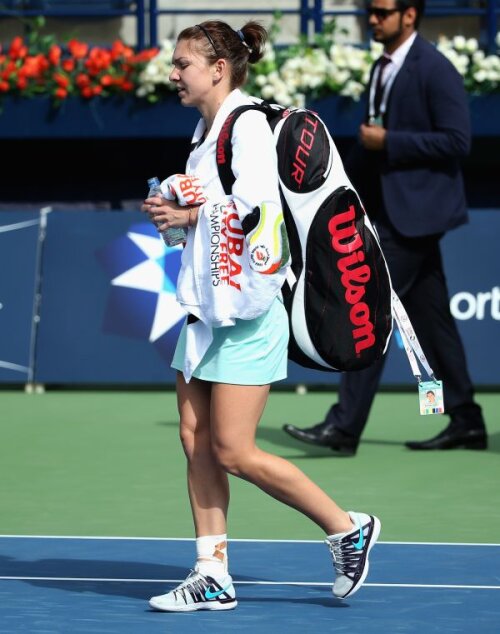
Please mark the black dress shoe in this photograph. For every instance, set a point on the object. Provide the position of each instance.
(325, 435)
(454, 437)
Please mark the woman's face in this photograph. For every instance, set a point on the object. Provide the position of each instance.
(191, 74)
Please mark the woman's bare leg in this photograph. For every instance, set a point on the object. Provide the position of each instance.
(235, 413)
(207, 482)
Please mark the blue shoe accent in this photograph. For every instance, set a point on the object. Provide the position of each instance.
(213, 595)
(361, 540)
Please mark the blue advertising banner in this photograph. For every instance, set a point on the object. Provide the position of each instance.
(108, 313)
(18, 274)
(472, 261)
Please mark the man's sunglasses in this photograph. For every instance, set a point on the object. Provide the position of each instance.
(381, 14)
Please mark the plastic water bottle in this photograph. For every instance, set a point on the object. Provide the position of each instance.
(174, 235)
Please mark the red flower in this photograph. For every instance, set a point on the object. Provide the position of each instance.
(68, 65)
(145, 56)
(17, 48)
(9, 69)
(54, 55)
(120, 50)
(82, 80)
(99, 59)
(34, 66)
(61, 93)
(61, 80)
(78, 49)
(107, 80)
(76, 69)
(42, 62)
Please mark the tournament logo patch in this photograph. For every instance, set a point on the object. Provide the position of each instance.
(260, 256)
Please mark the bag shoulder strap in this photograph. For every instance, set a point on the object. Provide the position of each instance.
(224, 146)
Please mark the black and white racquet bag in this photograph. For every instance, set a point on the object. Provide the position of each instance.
(338, 295)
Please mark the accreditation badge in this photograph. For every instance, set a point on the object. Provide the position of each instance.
(430, 396)
(376, 121)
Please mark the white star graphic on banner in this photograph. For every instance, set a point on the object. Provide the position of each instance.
(150, 276)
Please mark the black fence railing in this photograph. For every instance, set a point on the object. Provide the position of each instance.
(311, 14)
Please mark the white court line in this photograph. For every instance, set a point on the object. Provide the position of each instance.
(265, 541)
(254, 583)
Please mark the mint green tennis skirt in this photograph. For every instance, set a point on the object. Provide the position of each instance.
(252, 352)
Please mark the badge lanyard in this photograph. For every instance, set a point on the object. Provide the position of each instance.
(373, 117)
(414, 351)
(410, 340)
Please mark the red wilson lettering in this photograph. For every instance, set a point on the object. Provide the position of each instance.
(221, 140)
(355, 274)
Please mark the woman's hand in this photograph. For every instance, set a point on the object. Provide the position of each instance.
(166, 213)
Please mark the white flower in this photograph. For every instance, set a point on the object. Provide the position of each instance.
(376, 49)
(471, 45)
(480, 76)
(157, 70)
(269, 54)
(491, 62)
(459, 42)
(299, 100)
(355, 62)
(151, 71)
(353, 89)
(340, 76)
(267, 91)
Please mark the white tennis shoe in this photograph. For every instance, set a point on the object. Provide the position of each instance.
(350, 553)
(198, 592)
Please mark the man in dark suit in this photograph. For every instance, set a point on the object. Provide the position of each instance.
(406, 168)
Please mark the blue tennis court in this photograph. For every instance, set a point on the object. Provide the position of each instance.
(61, 585)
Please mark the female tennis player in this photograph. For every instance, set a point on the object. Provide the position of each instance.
(234, 342)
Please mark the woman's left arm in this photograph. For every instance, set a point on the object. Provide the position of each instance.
(255, 164)
(256, 193)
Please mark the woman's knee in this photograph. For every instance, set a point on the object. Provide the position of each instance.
(234, 461)
(194, 437)
(186, 435)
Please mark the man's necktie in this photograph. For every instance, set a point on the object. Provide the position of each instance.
(384, 60)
